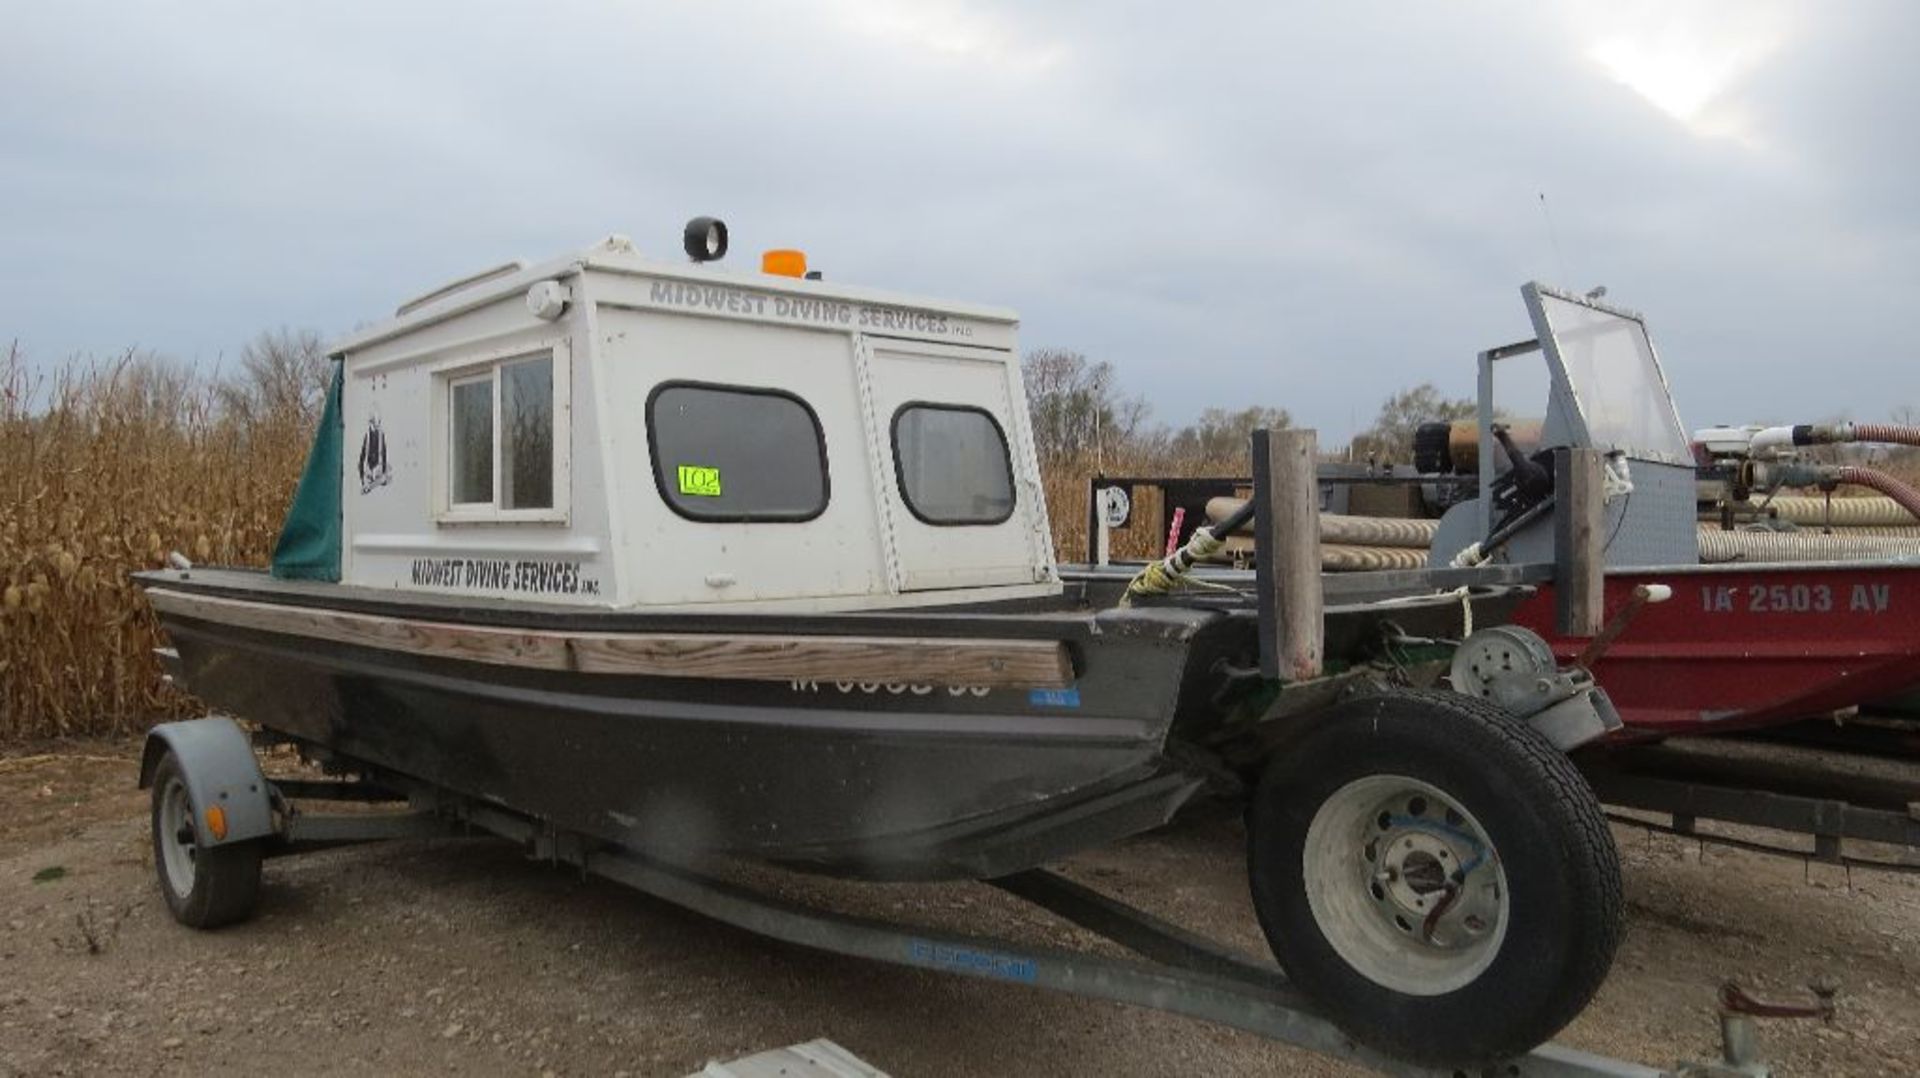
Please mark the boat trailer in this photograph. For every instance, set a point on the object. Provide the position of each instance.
(1176, 971)
(207, 780)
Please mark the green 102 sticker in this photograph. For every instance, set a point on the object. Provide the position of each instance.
(699, 482)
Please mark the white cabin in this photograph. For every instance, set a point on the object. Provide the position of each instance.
(607, 430)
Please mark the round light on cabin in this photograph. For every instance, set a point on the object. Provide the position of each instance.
(547, 300)
(784, 263)
(705, 239)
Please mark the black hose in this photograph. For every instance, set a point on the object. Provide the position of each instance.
(1235, 521)
(1500, 535)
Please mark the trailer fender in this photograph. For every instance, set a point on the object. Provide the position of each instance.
(216, 758)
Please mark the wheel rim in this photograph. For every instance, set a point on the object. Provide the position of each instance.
(1404, 885)
(177, 843)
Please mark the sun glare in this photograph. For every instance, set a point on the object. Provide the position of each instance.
(1678, 82)
(1691, 71)
(948, 29)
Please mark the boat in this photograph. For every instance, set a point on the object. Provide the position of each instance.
(1744, 642)
(715, 624)
(637, 559)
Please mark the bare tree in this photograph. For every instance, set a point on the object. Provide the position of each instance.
(1391, 436)
(1076, 406)
(148, 387)
(1223, 435)
(283, 375)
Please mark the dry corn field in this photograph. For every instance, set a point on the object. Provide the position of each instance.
(103, 470)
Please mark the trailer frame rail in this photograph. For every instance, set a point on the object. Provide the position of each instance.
(1178, 971)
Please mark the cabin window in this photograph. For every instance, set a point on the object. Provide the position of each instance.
(526, 434)
(732, 453)
(952, 464)
(473, 441)
(500, 440)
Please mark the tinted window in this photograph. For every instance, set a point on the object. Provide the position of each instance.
(953, 464)
(737, 454)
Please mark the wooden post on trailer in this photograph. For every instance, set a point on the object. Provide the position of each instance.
(1579, 554)
(1286, 531)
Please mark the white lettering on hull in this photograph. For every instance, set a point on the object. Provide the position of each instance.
(1795, 598)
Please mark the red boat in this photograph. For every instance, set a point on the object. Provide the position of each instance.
(1741, 646)
(1738, 645)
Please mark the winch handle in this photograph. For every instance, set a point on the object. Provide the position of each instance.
(1643, 596)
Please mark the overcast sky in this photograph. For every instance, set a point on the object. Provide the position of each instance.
(1296, 205)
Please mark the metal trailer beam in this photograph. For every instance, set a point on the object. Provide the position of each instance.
(305, 829)
(1819, 774)
(1185, 973)
(1828, 821)
(1254, 1000)
(1141, 932)
(335, 790)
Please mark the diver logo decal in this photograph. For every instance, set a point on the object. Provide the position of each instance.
(373, 457)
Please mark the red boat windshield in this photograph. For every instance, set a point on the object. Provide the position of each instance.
(1617, 383)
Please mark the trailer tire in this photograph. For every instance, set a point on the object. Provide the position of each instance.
(1379, 797)
(206, 886)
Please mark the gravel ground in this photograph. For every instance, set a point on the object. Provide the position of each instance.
(460, 956)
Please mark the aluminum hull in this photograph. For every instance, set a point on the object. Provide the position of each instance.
(875, 780)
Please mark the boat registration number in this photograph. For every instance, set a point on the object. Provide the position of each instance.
(1796, 598)
(891, 688)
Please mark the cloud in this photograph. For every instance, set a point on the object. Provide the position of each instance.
(1691, 62)
(1308, 207)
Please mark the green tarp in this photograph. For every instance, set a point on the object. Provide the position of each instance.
(309, 546)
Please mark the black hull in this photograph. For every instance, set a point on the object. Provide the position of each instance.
(875, 781)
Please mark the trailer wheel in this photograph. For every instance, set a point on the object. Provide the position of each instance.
(1436, 875)
(205, 886)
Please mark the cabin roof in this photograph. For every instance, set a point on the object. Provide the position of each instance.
(616, 254)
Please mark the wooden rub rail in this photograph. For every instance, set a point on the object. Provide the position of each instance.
(1014, 664)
